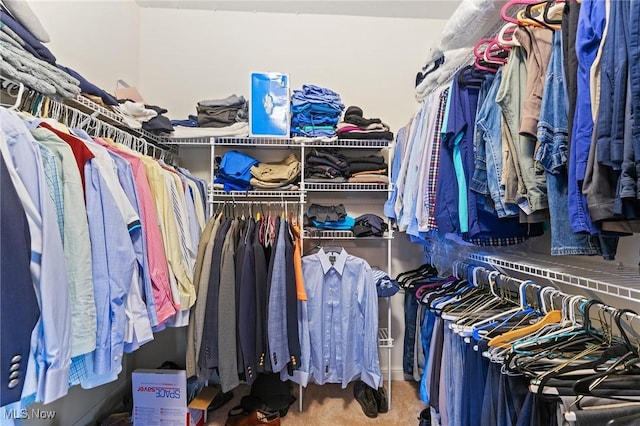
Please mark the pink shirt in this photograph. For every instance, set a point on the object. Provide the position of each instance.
(159, 271)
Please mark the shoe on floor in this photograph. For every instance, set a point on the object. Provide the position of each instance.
(254, 418)
(425, 417)
(364, 394)
(220, 399)
(382, 401)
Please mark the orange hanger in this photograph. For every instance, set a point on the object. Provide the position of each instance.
(504, 340)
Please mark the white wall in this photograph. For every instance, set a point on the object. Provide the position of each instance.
(189, 55)
(98, 38)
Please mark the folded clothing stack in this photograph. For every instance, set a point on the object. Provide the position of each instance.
(234, 172)
(368, 169)
(326, 165)
(158, 125)
(315, 112)
(355, 126)
(369, 225)
(222, 112)
(279, 175)
(329, 217)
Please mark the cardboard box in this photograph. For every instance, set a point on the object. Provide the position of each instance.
(160, 398)
(269, 109)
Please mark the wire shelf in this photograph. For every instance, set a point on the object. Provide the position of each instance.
(349, 143)
(323, 234)
(256, 141)
(332, 187)
(88, 104)
(384, 340)
(198, 141)
(239, 195)
(623, 283)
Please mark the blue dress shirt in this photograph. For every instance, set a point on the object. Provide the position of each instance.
(53, 331)
(339, 321)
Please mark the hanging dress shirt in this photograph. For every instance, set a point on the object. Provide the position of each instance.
(339, 322)
(53, 348)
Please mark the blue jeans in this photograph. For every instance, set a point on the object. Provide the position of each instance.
(553, 131)
(631, 167)
(489, 124)
(410, 318)
(613, 88)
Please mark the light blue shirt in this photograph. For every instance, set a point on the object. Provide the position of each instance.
(141, 313)
(51, 341)
(389, 205)
(339, 321)
(53, 180)
(418, 145)
(114, 261)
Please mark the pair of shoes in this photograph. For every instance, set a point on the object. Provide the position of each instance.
(425, 417)
(254, 418)
(382, 402)
(363, 393)
(220, 399)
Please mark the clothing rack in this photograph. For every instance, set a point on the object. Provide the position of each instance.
(45, 107)
(505, 281)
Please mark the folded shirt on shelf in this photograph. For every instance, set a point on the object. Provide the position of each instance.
(234, 171)
(222, 112)
(322, 171)
(279, 173)
(368, 225)
(238, 130)
(321, 179)
(369, 178)
(356, 168)
(315, 112)
(355, 126)
(328, 157)
(322, 213)
(190, 121)
(345, 224)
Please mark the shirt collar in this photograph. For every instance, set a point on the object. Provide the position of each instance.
(338, 264)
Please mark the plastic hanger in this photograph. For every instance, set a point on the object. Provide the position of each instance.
(509, 5)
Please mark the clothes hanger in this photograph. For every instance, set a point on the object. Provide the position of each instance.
(509, 5)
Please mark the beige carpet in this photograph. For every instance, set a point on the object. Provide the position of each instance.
(332, 405)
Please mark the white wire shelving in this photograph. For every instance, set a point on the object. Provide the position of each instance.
(323, 234)
(340, 187)
(349, 143)
(622, 282)
(220, 195)
(257, 142)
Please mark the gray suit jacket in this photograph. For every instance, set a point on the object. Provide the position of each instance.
(201, 275)
(227, 344)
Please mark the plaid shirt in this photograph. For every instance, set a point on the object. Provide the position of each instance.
(430, 190)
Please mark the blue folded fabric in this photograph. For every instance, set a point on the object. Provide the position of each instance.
(237, 165)
(338, 225)
(33, 45)
(191, 121)
(90, 88)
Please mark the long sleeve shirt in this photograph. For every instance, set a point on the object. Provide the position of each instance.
(339, 321)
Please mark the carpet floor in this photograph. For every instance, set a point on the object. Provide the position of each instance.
(331, 405)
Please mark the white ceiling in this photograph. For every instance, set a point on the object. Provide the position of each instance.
(421, 9)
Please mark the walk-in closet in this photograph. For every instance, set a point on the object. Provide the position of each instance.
(320, 212)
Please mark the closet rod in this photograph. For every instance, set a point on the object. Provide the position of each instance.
(75, 118)
(460, 268)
